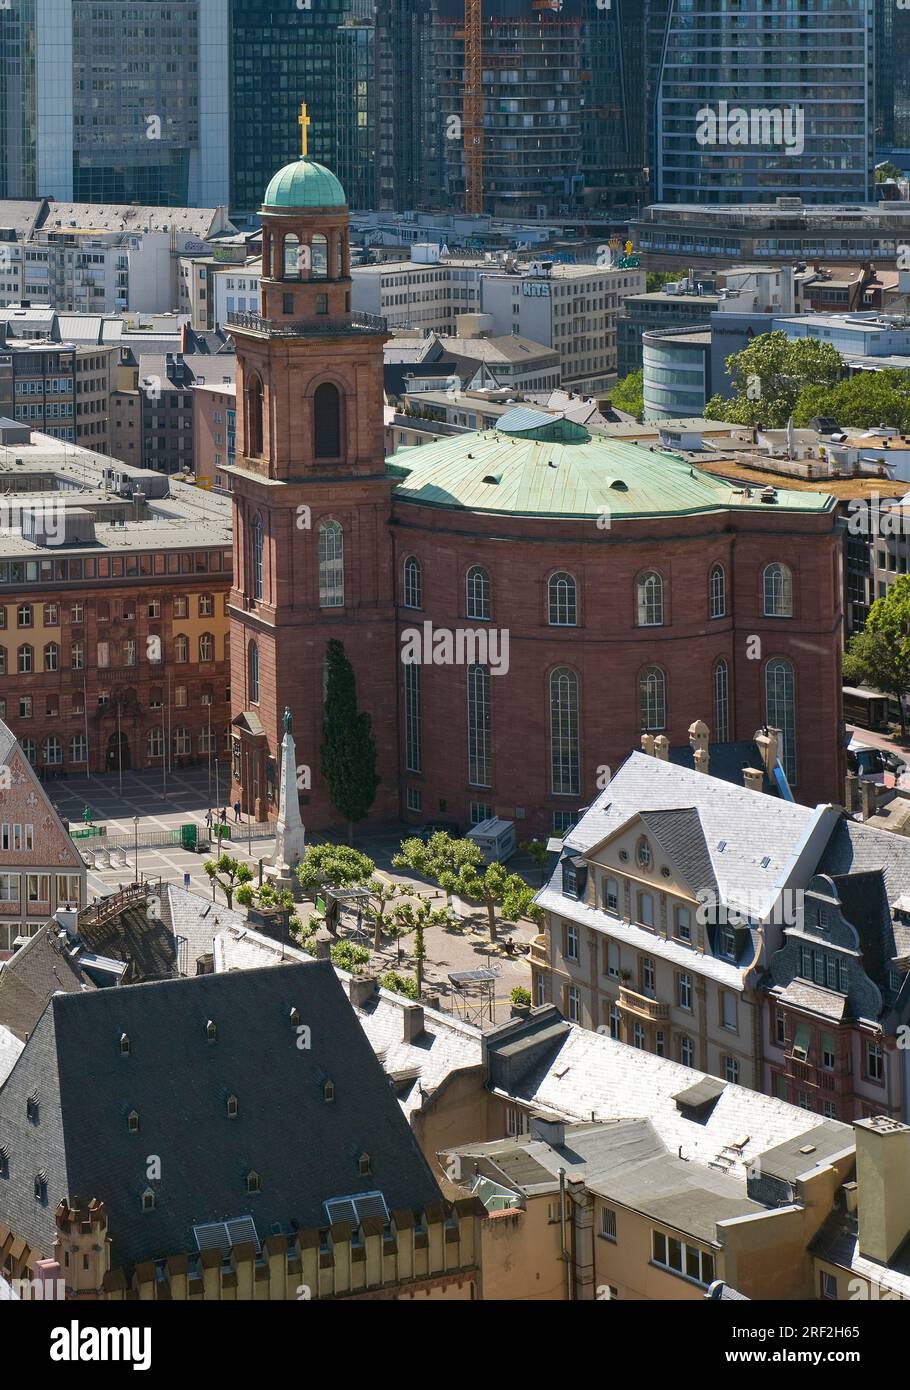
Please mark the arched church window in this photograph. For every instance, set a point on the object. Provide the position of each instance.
(319, 257)
(327, 421)
(254, 417)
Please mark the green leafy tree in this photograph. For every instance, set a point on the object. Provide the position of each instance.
(229, 875)
(267, 895)
(442, 854)
(411, 917)
(382, 895)
(520, 995)
(880, 654)
(349, 957)
(348, 745)
(399, 984)
(496, 888)
(656, 279)
(333, 866)
(538, 851)
(863, 401)
(886, 171)
(768, 376)
(629, 394)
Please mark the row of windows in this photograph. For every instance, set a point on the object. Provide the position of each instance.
(651, 587)
(38, 888)
(564, 686)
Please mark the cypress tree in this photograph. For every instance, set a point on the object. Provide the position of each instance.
(348, 745)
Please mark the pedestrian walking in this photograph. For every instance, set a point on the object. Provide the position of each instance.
(224, 815)
(236, 812)
(208, 819)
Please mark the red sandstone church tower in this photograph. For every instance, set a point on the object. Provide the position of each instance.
(312, 550)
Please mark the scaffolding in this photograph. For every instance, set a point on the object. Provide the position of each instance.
(474, 994)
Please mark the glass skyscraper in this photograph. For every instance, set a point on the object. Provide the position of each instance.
(755, 99)
(115, 101)
(892, 83)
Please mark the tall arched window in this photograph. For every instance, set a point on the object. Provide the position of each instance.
(53, 750)
(254, 417)
(26, 660)
(206, 647)
(51, 657)
(652, 693)
(780, 706)
(717, 592)
(331, 565)
(253, 672)
(258, 541)
(412, 717)
(292, 257)
(778, 586)
(339, 256)
(562, 600)
(413, 583)
(564, 750)
(327, 421)
(479, 592)
(721, 701)
(479, 727)
(181, 648)
(319, 257)
(650, 600)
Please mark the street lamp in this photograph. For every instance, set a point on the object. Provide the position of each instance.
(136, 843)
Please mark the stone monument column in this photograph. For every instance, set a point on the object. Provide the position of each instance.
(290, 836)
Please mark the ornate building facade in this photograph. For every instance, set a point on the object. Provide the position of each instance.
(519, 604)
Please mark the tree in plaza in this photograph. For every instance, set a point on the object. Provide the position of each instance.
(537, 849)
(229, 874)
(399, 984)
(349, 957)
(333, 866)
(880, 654)
(382, 894)
(768, 376)
(410, 918)
(348, 745)
(495, 887)
(442, 854)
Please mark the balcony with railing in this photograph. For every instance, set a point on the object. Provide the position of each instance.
(357, 324)
(642, 1005)
(538, 952)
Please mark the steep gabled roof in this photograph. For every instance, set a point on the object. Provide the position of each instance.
(177, 1080)
(38, 969)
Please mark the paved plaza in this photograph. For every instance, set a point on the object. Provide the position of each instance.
(142, 811)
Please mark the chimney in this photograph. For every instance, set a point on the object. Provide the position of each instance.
(867, 798)
(551, 1132)
(701, 759)
(412, 1022)
(323, 941)
(849, 1190)
(850, 793)
(753, 779)
(662, 748)
(768, 741)
(273, 922)
(699, 737)
(647, 744)
(362, 989)
(883, 1183)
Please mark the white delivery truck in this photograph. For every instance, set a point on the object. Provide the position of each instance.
(496, 839)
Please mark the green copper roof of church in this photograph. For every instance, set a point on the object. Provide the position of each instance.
(304, 184)
(578, 475)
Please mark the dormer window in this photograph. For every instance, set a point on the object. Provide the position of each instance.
(41, 1187)
(574, 877)
(149, 1200)
(295, 1018)
(211, 1031)
(125, 1048)
(4, 1163)
(728, 943)
(253, 1182)
(132, 1122)
(328, 1092)
(233, 1107)
(365, 1165)
(32, 1109)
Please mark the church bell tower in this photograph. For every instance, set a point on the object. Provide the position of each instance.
(312, 550)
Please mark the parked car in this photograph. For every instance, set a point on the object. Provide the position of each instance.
(426, 832)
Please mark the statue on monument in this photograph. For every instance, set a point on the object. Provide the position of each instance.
(287, 721)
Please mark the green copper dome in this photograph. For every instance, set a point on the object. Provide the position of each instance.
(304, 184)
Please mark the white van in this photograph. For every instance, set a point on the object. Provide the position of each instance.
(496, 839)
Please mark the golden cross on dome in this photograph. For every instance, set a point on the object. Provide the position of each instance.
(304, 121)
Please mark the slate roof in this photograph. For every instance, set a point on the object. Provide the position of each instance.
(29, 978)
(824, 1002)
(305, 1150)
(750, 826)
(857, 849)
(10, 1047)
(583, 1076)
(726, 761)
(837, 1243)
(682, 838)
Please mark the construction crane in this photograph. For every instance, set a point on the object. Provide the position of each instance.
(473, 106)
